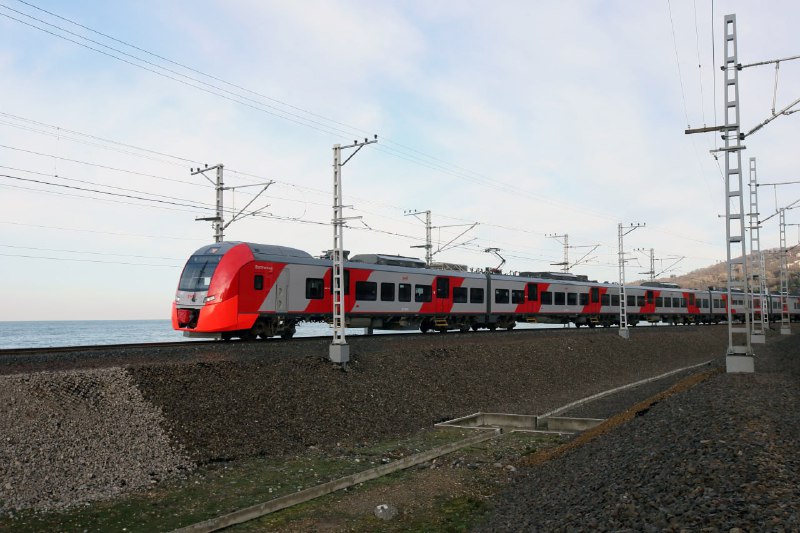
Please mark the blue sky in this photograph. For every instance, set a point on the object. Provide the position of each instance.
(531, 118)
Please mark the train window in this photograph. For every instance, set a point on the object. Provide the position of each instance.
(501, 296)
(533, 292)
(615, 300)
(683, 302)
(640, 301)
(258, 282)
(595, 292)
(572, 298)
(517, 297)
(705, 302)
(676, 302)
(659, 301)
(716, 303)
(443, 288)
(404, 292)
(196, 275)
(547, 298)
(460, 295)
(387, 292)
(422, 293)
(476, 295)
(346, 281)
(605, 299)
(366, 291)
(584, 298)
(668, 301)
(649, 296)
(314, 288)
(560, 298)
(631, 300)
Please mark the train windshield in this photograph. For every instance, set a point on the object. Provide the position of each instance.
(197, 273)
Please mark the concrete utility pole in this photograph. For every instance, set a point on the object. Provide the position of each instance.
(339, 350)
(623, 304)
(759, 319)
(218, 221)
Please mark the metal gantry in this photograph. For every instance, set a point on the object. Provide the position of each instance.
(339, 350)
(759, 310)
(623, 303)
(428, 237)
(218, 221)
(784, 302)
(565, 242)
(739, 357)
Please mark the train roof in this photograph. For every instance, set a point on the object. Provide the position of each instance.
(260, 251)
(386, 259)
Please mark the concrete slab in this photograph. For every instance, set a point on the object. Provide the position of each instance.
(739, 364)
(565, 423)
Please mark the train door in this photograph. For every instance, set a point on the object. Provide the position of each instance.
(442, 295)
(282, 292)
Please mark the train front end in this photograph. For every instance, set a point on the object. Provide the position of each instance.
(207, 300)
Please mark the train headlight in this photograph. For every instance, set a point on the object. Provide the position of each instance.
(177, 299)
(209, 299)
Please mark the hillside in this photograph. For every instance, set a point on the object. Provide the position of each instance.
(716, 275)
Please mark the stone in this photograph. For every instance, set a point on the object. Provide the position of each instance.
(385, 511)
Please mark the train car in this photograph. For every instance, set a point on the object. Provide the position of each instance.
(250, 290)
(246, 290)
(555, 298)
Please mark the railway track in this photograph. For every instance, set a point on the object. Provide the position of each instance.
(13, 352)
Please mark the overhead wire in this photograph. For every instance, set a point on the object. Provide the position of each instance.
(87, 260)
(100, 232)
(470, 176)
(475, 176)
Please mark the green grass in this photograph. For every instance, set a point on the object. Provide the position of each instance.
(216, 489)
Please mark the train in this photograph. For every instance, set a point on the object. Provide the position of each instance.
(247, 291)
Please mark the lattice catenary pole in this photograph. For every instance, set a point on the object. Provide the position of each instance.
(339, 350)
(758, 315)
(739, 356)
(623, 303)
(785, 327)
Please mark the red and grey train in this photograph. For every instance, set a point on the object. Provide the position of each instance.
(246, 290)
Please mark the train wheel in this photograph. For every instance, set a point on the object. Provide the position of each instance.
(226, 336)
(475, 327)
(288, 333)
(492, 327)
(463, 328)
(247, 335)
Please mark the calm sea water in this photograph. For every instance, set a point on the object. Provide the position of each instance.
(42, 334)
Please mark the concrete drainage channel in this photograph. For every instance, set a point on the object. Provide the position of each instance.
(487, 426)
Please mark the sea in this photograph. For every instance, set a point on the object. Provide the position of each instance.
(57, 333)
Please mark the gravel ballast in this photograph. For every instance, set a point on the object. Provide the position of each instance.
(80, 436)
(120, 421)
(723, 455)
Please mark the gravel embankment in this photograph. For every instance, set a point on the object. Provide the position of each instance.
(722, 455)
(398, 386)
(118, 422)
(73, 437)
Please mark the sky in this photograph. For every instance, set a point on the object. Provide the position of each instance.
(533, 119)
